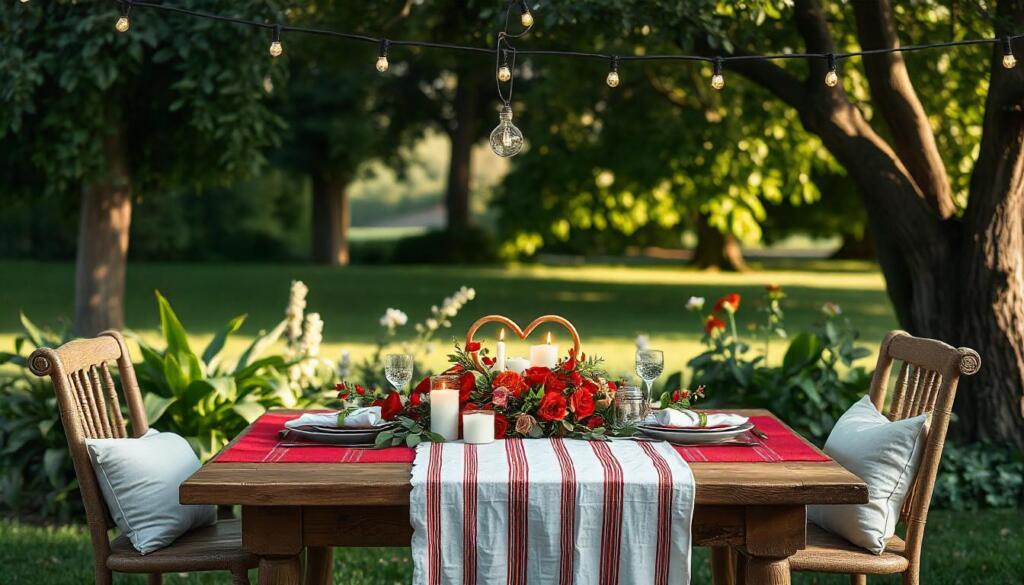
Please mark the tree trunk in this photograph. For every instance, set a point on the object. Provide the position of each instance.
(715, 250)
(854, 247)
(331, 219)
(463, 136)
(104, 222)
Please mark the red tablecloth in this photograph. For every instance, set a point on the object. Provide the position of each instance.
(263, 445)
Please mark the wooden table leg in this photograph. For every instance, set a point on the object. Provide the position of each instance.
(275, 534)
(773, 533)
(319, 565)
(723, 565)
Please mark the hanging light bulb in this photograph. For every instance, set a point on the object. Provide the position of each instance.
(525, 18)
(382, 56)
(831, 78)
(24, 1)
(717, 79)
(1009, 61)
(506, 139)
(613, 74)
(504, 73)
(123, 24)
(276, 48)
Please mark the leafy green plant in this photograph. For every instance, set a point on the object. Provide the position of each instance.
(978, 476)
(203, 397)
(36, 475)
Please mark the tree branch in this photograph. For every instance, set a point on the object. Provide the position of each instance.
(894, 95)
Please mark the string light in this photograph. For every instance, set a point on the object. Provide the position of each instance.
(504, 72)
(506, 139)
(613, 74)
(382, 56)
(276, 48)
(525, 18)
(1009, 61)
(24, 1)
(717, 79)
(831, 78)
(123, 24)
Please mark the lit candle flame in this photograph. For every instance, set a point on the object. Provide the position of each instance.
(549, 338)
(501, 335)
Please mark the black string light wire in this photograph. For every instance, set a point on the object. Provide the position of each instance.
(504, 50)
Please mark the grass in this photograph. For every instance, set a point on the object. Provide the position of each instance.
(960, 548)
(609, 304)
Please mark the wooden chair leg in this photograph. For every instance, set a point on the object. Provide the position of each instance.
(741, 569)
(240, 577)
(104, 576)
(858, 580)
(319, 565)
(723, 565)
(155, 579)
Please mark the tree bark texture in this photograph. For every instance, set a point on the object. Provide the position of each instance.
(960, 280)
(463, 133)
(104, 223)
(331, 219)
(715, 250)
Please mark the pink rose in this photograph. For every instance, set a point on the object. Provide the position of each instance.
(500, 396)
(525, 424)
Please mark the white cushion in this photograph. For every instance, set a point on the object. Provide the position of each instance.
(139, 479)
(883, 453)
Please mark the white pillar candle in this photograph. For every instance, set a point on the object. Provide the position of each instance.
(499, 353)
(517, 365)
(544, 356)
(444, 406)
(478, 427)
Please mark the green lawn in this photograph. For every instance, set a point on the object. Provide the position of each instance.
(610, 305)
(960, 548)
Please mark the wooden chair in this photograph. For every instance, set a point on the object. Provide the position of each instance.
(926, 382)
(89, 408)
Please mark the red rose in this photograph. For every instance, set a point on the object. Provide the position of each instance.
(552, 407)
(342, 390)
(423, 387)
(536, 376)
(612, 386)
(414, 399)
(466, 385)
(500, 425)
(473, 346)
(713, 324)
(590, 386)
(390, 406)
(576, 378)
(360, 390)
(570, 363)
(488, 361)
(511, 380)
(595, 421)
(582, 404)
(554, 383)
(730, 302)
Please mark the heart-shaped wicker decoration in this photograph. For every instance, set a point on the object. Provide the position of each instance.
(522, 333)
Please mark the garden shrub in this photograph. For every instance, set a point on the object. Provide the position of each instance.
(980, 475)
(459, 246)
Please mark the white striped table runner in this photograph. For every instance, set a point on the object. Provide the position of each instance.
(551, 511)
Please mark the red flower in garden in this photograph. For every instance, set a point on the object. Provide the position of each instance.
(473, 346)
(730, 303)
(713, 324)
(595, 421)
(511, 380)
(390, 406)
(552, 407)
(466, 385)
(582, 404)
(537, 375)
(500, 425)
(360, 390)
(342, 390)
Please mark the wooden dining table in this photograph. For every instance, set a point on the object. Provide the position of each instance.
(757, 509)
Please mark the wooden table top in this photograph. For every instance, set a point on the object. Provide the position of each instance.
(387, 484)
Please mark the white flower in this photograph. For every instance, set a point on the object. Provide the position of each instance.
(431, 324)
(393, 318)
(643, 342)
(294, 311)
(312, 335)
(344, 364)
(695, 304)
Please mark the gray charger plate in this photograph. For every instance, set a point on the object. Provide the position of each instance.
(691, 437)
(351, 437)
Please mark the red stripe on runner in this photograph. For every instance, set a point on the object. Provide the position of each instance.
(567, 535)
(434, 515)
(611, 529)
(469, 524)
(518, 498)
(661, 557)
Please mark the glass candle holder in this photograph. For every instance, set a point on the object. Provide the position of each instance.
(444, 406)
(478, 426)
(630, 405)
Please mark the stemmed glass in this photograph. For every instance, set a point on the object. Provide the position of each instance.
(650, 363)
(398, 369)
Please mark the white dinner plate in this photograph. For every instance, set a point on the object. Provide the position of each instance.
(695, 436)
(717, 429)
(352, 437)
(343, 430)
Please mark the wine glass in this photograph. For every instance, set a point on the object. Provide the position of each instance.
(398, 369)
(650, 363)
